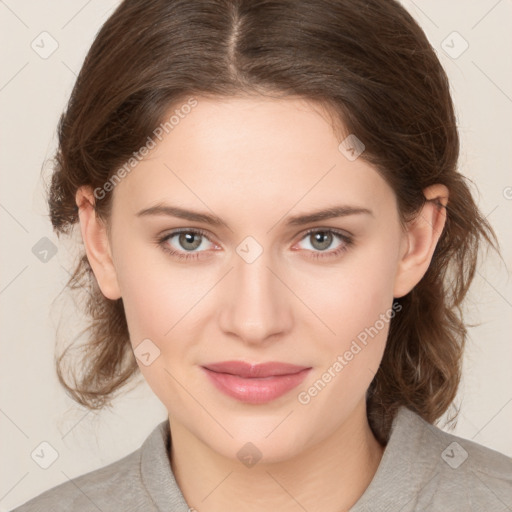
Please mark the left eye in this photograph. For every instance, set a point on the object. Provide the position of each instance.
(322, 239)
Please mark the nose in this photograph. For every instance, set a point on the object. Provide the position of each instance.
(256, 305)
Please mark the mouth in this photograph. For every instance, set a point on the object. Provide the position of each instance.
(255, 383)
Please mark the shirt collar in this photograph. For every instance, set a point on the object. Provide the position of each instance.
(156, 472)
(386, 489)
(403, 470)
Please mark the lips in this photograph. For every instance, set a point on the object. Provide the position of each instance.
(251, 371)
(255, 383)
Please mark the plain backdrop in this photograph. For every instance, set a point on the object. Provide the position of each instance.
(473, 41)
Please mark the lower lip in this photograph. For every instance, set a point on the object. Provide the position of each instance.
(255, 390)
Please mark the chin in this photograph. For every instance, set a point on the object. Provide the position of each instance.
(266, 440)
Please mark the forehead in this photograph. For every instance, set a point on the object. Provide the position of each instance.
(251, 149)
(242, 125)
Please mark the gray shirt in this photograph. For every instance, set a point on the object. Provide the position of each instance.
(422, 469)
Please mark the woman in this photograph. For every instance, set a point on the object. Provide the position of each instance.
(276, 235)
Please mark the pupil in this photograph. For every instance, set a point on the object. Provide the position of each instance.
(323, 238)
(188, 238)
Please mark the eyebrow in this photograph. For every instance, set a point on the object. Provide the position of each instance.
(297, 220)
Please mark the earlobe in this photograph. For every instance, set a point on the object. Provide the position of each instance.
(421, 238)
(97, 245)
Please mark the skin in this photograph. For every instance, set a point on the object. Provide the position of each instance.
(254, 162)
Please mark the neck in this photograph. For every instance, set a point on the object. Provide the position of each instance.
(329, 477)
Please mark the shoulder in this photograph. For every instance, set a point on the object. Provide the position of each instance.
(93, 491)
(424, 468)
(466, 470)
(120, 485)
(454, 473)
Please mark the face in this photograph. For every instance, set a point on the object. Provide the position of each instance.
(266, 283)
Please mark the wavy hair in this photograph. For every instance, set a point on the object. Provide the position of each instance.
(370, 65)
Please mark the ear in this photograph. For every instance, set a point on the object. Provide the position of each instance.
(97, 245)
(420, 240)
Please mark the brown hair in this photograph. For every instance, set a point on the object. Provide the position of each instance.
(370, 64)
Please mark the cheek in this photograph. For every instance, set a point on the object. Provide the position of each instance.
(352, 296)
(156, 294)
(158, 304)
(170, 305)
(356, 304)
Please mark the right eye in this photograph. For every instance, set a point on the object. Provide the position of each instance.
(184, 243)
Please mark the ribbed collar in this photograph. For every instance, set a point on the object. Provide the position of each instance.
(403, 461)
(156, 472)
(385, 492)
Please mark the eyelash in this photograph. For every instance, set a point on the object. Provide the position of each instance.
(347, 242)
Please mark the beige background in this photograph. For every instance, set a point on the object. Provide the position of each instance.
(33, 92)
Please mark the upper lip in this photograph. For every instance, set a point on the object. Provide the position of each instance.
(255, 370)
